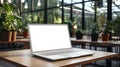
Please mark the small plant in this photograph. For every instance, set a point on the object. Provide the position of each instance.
(108, 26)
(79, 34)
(95, 28)
(107, 31)
(25, 32)
(25, 29)
(95, 32)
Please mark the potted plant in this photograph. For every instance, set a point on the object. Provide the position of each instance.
(9, 21)
(24, 29)
(94, 32)
(25, 32)
(79, 34)
(107, 34)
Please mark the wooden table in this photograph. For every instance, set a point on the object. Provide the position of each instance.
(25, 41)
(98, 42)
(107, 44)
(23, 58)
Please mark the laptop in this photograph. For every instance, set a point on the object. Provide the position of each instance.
(52, 41)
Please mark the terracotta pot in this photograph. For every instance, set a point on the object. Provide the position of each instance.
(5, 36)
(14, 33)
(105, 37)
(25, 34)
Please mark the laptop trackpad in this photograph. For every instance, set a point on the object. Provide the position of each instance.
(56, 56)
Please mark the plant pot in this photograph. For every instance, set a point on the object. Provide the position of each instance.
(14, 33)
(94, 37)
(25, 34)
(79, 35)
(5, 36)
(105, 37)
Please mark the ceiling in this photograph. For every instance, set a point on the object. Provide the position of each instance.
(89, 4)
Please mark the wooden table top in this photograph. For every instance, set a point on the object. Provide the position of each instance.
(21, 39)
(112, 42)
(17, 40)
(24, 58)
(97, 42)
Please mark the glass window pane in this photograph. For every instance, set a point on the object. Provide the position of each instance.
(13, 1)
(38, 4)
(41, 16)
(77, 13)
(26, 6)
(54, 15)
(38, 17)
(75, 1)
(67, 13)
(26, 18)
(53, 3)
(89, 6)
(35, 17)
(67, 1)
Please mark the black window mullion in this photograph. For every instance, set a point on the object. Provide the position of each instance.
(32, 9)
(71, 12)
(45, 13)
(109, 10)
(83, 14)
(62, 11)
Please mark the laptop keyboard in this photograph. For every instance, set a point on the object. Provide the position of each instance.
(61, 52)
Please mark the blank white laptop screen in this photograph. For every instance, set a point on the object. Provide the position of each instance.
(49, 36)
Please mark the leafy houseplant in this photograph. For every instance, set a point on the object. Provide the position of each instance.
(79, 34)
(107, 35)
(94, 32)
(9, 20)
(24, 29)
